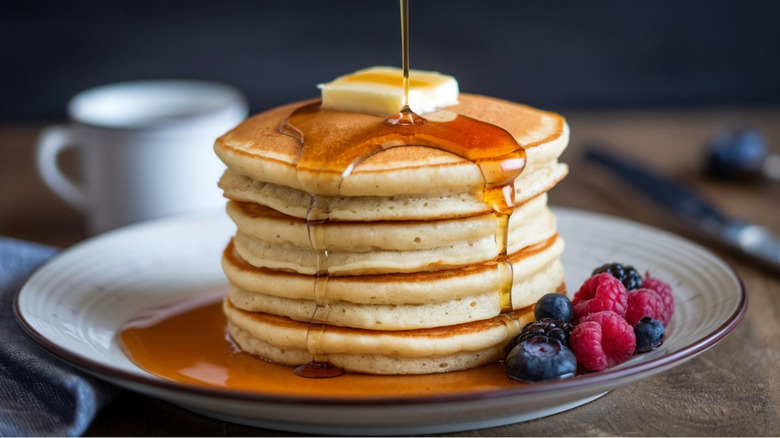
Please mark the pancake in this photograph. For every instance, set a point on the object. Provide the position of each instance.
(259, 149)
(269, 225)
(453, 297)
(423, 351)
(430, 206)
(370, 248)
(416, 288)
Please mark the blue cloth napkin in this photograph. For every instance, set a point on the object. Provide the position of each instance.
(40, 395)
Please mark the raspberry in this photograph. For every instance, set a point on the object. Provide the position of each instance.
(626, 274)
(602, 340)
(644, 302)
(664, 291)
(600, 292)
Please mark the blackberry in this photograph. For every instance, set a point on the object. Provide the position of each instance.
(626, 274)
(558, 330)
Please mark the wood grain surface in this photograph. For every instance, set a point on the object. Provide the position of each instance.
(732, 389)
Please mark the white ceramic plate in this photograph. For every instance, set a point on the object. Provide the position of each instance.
(76, 304)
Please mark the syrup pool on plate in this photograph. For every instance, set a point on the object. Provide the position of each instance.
(187, 342)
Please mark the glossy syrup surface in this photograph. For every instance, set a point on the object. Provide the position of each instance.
(189, 344)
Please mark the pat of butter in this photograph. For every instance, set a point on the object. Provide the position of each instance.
(379, 90)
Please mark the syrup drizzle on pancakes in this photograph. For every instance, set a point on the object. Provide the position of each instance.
(324, 162)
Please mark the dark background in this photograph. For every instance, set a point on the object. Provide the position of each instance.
(550, 54)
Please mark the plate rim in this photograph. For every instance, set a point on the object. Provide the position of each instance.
(148, 380)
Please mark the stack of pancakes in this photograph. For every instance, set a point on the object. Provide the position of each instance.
(409, 282)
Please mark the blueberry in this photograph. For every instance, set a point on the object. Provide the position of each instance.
(737, 154)
(540, 358)
(649, 334)
(554, 306)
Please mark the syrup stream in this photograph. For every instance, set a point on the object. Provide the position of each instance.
(405, 52)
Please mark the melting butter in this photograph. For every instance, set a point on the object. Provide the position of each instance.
(379, 90)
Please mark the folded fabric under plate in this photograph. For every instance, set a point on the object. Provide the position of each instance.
(40, 395)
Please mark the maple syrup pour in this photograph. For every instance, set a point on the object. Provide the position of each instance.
(405, 53)
(330, 152)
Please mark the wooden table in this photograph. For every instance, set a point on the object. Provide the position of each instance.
(731, 389)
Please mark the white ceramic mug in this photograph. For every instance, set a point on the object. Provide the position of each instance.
(146, 149)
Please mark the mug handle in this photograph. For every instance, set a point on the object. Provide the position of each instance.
(50, 143)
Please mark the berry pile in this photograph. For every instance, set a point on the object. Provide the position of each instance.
(614, 315)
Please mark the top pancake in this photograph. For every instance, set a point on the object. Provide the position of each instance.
(259, 149)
